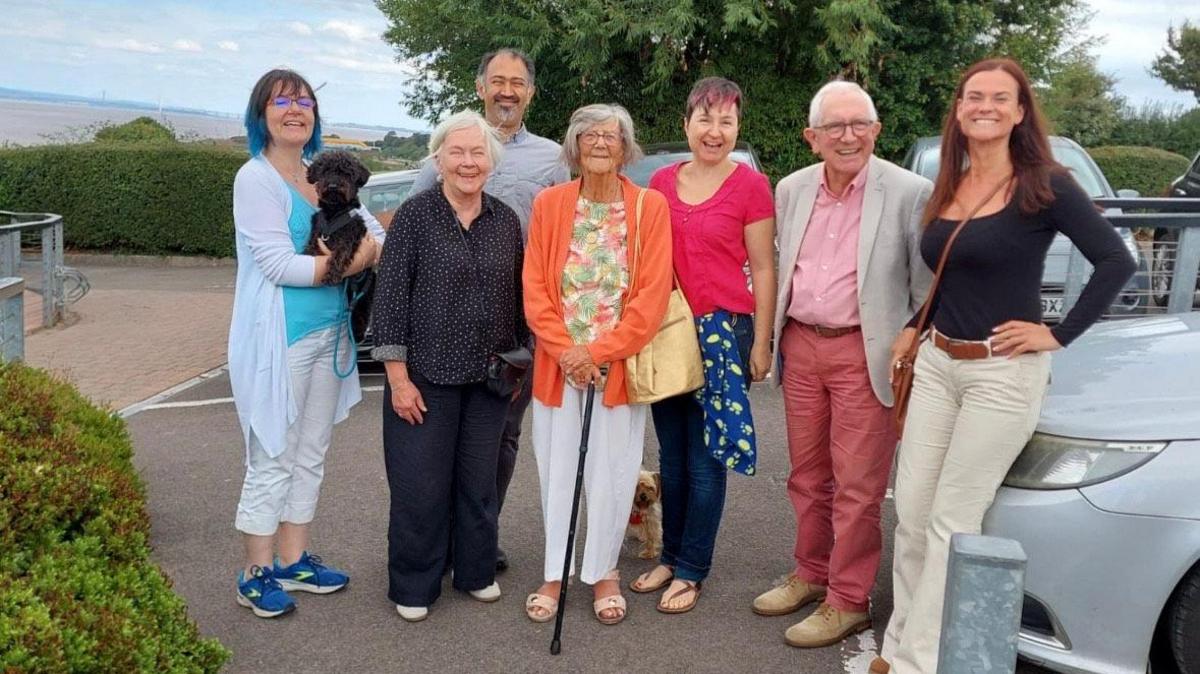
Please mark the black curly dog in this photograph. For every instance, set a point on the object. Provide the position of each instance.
(337, 175)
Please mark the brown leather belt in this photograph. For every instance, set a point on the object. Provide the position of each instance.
(823, 331)
(962, 349)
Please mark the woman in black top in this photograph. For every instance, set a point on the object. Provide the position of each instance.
(981, 376)
(449, 297)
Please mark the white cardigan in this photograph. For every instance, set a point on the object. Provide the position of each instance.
(267, 261)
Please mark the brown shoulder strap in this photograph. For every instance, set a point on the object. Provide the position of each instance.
(937, 274)
(637, 238)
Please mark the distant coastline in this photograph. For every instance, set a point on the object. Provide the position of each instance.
(37, 118)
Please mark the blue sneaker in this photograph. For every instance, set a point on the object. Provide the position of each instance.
(310, 575)
(262, 594)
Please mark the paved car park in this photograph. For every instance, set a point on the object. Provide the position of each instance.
(190, 455)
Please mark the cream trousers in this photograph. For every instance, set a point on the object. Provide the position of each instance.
(967, 422)
(610, 476)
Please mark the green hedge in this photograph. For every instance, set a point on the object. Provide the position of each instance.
(1145, 169)
(78, 592)
(143, 199)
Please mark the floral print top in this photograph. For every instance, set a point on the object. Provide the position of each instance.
(596, 275)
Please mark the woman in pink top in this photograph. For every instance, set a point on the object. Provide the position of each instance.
(722, 215)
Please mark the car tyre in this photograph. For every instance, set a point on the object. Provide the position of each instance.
(1162, 266)
(1184, 624)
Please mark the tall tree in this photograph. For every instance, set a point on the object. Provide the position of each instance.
(1179, 64)
(1078, 99)
(645, 54)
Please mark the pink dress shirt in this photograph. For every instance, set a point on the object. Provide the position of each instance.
(825, 284)
(708, 243)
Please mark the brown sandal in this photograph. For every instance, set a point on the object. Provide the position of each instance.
(639, 584)
(690, 587)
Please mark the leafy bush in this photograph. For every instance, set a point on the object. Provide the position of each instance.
(1145, 169)
(1156, 125)
(143, 130)
(78, 592)
(155, 199)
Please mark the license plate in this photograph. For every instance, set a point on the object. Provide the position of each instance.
(1052, 307)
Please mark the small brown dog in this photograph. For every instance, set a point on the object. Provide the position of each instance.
(645, 520)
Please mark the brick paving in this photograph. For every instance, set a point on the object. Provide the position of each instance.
(140, 331)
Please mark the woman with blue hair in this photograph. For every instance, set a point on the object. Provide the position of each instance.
(288, 331)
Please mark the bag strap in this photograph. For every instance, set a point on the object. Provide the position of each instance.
(637, 243)
(937, 275)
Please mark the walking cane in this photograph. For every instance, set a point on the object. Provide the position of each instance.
(556, 643)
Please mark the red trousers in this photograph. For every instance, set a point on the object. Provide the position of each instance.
(841, 440)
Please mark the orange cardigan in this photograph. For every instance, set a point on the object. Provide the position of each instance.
(643, 305)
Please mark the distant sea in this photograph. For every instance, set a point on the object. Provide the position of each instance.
(41, 122)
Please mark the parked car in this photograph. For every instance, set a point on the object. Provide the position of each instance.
(382, 195)
(1103, 499)
(1166, 241)
(384, 192)
(659, 155)
(924, 158)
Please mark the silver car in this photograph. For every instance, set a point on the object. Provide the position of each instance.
(924, 158)
(1104, 501)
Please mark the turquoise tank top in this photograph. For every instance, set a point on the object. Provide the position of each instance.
(308, 309)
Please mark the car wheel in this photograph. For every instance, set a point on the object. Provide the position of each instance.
(1162, 267)
(1184, 624)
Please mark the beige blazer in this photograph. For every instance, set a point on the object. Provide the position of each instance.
(893, 280)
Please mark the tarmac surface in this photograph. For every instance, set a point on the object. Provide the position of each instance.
(145, 330)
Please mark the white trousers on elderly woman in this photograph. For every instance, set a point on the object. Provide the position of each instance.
(610, 477)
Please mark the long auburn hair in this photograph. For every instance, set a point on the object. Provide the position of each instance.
(1028, 146)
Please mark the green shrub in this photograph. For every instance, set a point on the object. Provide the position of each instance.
(1169, 127)
(78, 592)
(148, 199)
(143, 130)
(1145, 169)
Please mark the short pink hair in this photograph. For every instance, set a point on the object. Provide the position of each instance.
(713, 92)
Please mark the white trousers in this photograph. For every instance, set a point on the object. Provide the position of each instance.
(610, 476)
(967, 422)
(285, 488)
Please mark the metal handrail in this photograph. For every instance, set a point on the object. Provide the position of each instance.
(1168, 213)
(51, 227)
(12, 320)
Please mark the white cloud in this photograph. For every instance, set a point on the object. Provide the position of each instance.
(349, 30)
(380, 66)
(300, 28)
(129, 44)
(187, 45)
(228, 45)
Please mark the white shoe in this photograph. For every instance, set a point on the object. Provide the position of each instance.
(413, 614)
(488, 594)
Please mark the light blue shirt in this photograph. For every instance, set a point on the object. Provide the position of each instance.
(529, 164)
(308, 308)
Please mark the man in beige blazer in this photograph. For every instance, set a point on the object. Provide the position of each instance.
(850, 276)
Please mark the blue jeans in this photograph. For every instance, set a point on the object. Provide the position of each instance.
(693, 482)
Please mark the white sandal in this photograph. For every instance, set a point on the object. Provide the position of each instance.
(543, 602)
(615, 601)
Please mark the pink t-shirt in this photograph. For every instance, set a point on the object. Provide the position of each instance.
(708, 239)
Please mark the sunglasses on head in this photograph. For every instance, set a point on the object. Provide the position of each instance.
(285, 101)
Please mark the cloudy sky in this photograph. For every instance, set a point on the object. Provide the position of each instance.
(207, 53)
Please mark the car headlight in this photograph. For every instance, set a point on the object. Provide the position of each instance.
(1054, 462)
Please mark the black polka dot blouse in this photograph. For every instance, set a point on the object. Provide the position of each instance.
(448, 296)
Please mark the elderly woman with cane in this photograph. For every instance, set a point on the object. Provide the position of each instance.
(592, 301)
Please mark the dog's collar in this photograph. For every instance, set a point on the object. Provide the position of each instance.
(339, 221)
(635, 517)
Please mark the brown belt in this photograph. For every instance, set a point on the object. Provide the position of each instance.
(961, 349)
(823, 331)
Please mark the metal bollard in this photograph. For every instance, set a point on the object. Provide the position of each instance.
(12, 319)
(985, 585)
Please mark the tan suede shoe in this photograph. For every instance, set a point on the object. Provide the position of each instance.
(792, 595)
(826, 626)
(879, 666)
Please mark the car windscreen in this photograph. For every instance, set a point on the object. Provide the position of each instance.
(1080, 164)
(641, 171)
